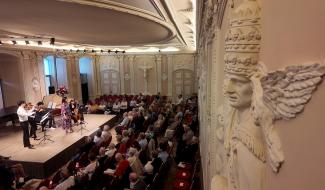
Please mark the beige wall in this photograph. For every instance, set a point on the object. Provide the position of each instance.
(157, 76)
(10, 73)
(293, 33)
(128, 71)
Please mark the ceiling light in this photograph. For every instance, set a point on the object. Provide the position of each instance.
(27, 42)
(14, 42)
(39, 43)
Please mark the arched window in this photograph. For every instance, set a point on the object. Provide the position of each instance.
(55, 71)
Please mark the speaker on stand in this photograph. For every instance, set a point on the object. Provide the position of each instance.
(51, 90)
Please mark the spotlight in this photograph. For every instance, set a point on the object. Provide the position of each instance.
(109, 51)
(116, 51)
(123, 51)
(93, 51)
(14, 42)
(0, 43)
(77, 50)
(39, 43)
(70, 50)
(85, 50)
(102, 51)
(27, 42)
(52, 41)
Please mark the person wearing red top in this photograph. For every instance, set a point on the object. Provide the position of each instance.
(122, 165)
(122, 149)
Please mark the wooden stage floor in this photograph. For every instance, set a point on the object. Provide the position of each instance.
(46, 155)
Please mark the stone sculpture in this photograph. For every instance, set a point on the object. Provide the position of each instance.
(255, 100)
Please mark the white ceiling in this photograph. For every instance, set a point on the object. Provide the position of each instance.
(101, 23)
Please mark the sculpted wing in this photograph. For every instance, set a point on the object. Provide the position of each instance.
(287, 91)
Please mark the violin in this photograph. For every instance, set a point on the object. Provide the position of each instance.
(28, 106)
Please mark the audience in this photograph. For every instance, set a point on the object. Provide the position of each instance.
(140, 148)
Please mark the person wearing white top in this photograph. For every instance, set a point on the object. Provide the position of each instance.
(124, 105)
(23, 119)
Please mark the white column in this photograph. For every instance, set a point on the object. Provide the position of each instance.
(158, 66)
(77, 79)
(170, 75)
(97, 76)
(122, 90)
(132, 85)
(41, 75)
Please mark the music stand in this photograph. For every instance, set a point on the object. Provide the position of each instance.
(83, 126)
(45, 136)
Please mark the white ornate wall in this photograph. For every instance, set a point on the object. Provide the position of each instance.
(116, 74)
(149, 74)
(289, 37)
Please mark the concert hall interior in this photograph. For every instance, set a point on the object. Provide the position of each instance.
(162, 94)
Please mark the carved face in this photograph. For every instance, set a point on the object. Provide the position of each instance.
(238, 90)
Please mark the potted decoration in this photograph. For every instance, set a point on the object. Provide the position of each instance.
(62, 91)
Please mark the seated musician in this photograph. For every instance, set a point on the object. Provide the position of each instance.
(41, 111)
(76, 113)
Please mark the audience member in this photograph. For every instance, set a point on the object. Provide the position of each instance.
(136, 183)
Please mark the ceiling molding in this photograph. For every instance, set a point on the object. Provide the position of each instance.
(107, 4)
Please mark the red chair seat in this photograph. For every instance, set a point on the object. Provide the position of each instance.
(180, 184)
(183, 174)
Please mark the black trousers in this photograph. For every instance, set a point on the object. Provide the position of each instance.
(33, 127)
(25, 125)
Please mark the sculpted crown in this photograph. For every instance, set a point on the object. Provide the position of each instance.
(242, 42)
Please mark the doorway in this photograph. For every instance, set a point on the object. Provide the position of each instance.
(86, 70)
(183, 83)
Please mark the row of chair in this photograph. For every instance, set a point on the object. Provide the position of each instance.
(185, 176)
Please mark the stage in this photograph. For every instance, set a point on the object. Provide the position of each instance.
(48, 156)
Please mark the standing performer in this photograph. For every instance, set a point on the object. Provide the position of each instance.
(66, 116)
(23, 119)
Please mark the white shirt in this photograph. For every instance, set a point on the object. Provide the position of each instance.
(66, 184)
(23, 113)
(90, 169)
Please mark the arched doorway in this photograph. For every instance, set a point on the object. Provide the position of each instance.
(87, 78)
(12, 88)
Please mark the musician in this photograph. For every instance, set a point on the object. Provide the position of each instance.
(66, 116)
(41, 111)
(32, 123)
(76, 113)
(23, 119)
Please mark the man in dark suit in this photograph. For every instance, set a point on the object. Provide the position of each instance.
(156, 162)
(136, 183)
(41, 111)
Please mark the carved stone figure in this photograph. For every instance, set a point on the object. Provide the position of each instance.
(255, 100)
